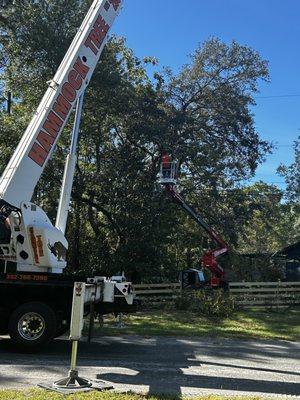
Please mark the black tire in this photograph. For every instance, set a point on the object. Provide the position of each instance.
(32, 325)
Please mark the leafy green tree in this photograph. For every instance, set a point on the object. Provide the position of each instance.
(213, 131)
(291, 174)
(271, 223)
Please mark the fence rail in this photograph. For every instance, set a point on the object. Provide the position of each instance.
(246, 294)
(157, 293)
(266, 294)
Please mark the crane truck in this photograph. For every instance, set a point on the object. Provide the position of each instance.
(35, 293)
(194, 278)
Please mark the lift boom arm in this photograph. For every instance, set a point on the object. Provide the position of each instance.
(196, 217)
(72, 77)
(209, 258)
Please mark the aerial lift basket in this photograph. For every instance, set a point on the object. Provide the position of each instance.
(168, 172)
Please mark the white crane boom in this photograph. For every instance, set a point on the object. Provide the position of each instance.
(27, 236)
(39, 140)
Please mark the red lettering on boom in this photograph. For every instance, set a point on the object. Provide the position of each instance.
(115, 3)
(75, 79)
(52, 124)
(95, 38)
(45, 140)
(100, 29)
(62, 107)
(81, 68)
(69, 92)
(89, 44)
(59, 113)
(38, 154)
(97, 35)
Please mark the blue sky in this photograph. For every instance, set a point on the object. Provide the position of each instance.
(172, 29)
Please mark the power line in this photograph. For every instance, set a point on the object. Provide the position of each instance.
(269, 183)
(277, 96)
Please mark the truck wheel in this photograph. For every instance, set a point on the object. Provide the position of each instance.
(32, 325)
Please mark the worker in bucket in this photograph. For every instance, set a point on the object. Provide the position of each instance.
(166, 166)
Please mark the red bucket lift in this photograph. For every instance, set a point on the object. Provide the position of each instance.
(168, 178)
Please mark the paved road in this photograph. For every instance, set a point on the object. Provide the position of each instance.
(165, 365)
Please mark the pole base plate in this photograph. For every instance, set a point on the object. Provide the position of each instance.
(76, 384)
(73, 381)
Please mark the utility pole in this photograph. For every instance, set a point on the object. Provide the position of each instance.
(8, 103)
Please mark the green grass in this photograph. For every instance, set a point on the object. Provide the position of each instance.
(243, 324)
(44, 395)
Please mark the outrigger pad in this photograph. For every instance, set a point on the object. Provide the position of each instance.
(95, 385)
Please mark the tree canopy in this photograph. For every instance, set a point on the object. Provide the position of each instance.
(291, 174)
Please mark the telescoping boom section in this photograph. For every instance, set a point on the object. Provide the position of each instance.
(72, 77)
(27, 236)
(168, 178)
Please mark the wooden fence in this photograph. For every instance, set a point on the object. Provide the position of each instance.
(157, 293)
(266, 294)
(246, 294)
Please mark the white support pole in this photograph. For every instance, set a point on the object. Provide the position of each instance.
(77, 311)
(69, 172)
(73, 381)
(82, 294)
